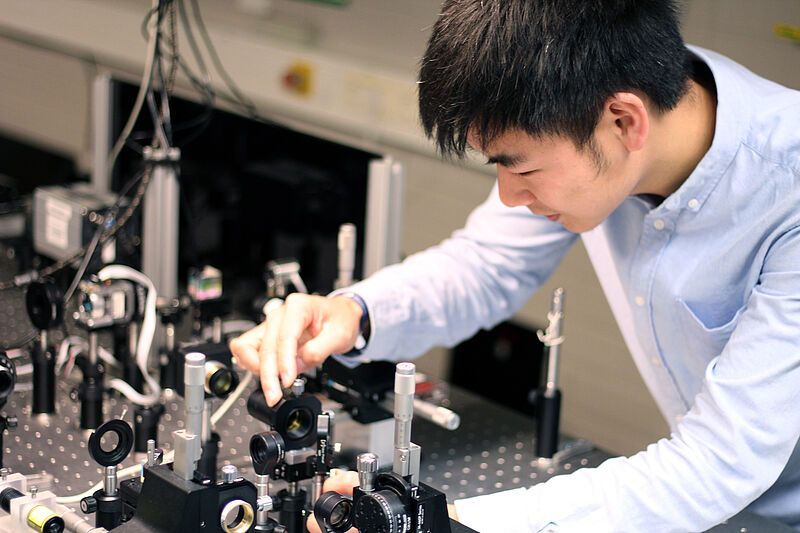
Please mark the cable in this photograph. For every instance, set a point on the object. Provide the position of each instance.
(143, 88)
(245, 102)
(145, 337)
(230, 400)
(19, 343)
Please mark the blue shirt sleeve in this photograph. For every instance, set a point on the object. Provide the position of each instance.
(480, 276)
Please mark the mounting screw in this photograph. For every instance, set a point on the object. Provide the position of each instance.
(299, 386)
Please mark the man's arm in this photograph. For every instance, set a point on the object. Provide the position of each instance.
(480, 276)
(726, 452)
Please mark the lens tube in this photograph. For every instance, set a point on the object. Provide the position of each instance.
(334, 512)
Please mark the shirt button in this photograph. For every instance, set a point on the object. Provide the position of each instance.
(656, 361)
(658, 224)
(639, 301)
(678, 418)
(693, 203)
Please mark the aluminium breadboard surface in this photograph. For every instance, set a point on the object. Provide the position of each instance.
(493, 450)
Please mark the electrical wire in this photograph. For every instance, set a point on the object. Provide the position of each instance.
(242, 100)
(21, 342)
(145, 336)
(143, 88)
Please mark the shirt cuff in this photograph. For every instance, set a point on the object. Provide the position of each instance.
(361, 342)
(501, 512)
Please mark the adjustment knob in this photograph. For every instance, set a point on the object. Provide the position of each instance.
(89, 505)
(367, 465)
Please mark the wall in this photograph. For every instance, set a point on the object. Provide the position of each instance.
(43, 98)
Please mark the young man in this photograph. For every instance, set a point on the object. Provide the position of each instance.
(680, 170)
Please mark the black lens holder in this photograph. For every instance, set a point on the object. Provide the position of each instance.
(124, 442)
(267, 451)
(44, 302)
(334, 512)
(8, 377)
(294, 418)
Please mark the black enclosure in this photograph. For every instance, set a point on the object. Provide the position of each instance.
(253, 191)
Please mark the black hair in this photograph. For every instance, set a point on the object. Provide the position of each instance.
(545, 66)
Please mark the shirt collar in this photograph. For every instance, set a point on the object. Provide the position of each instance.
(733, 116)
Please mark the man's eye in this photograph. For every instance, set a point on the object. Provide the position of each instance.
(528, 173)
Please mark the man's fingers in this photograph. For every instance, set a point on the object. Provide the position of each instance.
(269, 358)
(245, 348)
(341, 481)
(316, 350)
(297, 320)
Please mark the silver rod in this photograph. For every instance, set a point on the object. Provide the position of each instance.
(205, 434)
(262, 488)
(102, 113)
(43, 340)
(293, 488)
(170, 337)
(151, 452)
(77, 523)
(441, 416)
(133, 338)
(194, 379)
(404, 387)
(316, 487)
(93, 346)
(216, 330)
(110, 480)
(346, 243)
(553, 340)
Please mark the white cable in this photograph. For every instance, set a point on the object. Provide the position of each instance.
(69, 348)
(107, 356)
(15, 353)
(230, 400)
(145, 337)
(23, 370)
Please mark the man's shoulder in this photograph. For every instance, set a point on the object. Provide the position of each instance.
(768, 111)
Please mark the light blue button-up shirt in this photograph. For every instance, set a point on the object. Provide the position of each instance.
(707, 283)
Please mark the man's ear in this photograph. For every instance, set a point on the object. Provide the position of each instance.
(627, 118)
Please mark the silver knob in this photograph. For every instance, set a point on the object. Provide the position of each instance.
(229, 473)
(299, 386)
(367, 465)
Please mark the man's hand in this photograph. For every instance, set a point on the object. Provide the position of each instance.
(295, 337)
(341, 482)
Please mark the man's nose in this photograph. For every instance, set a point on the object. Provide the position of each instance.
(512, 188)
